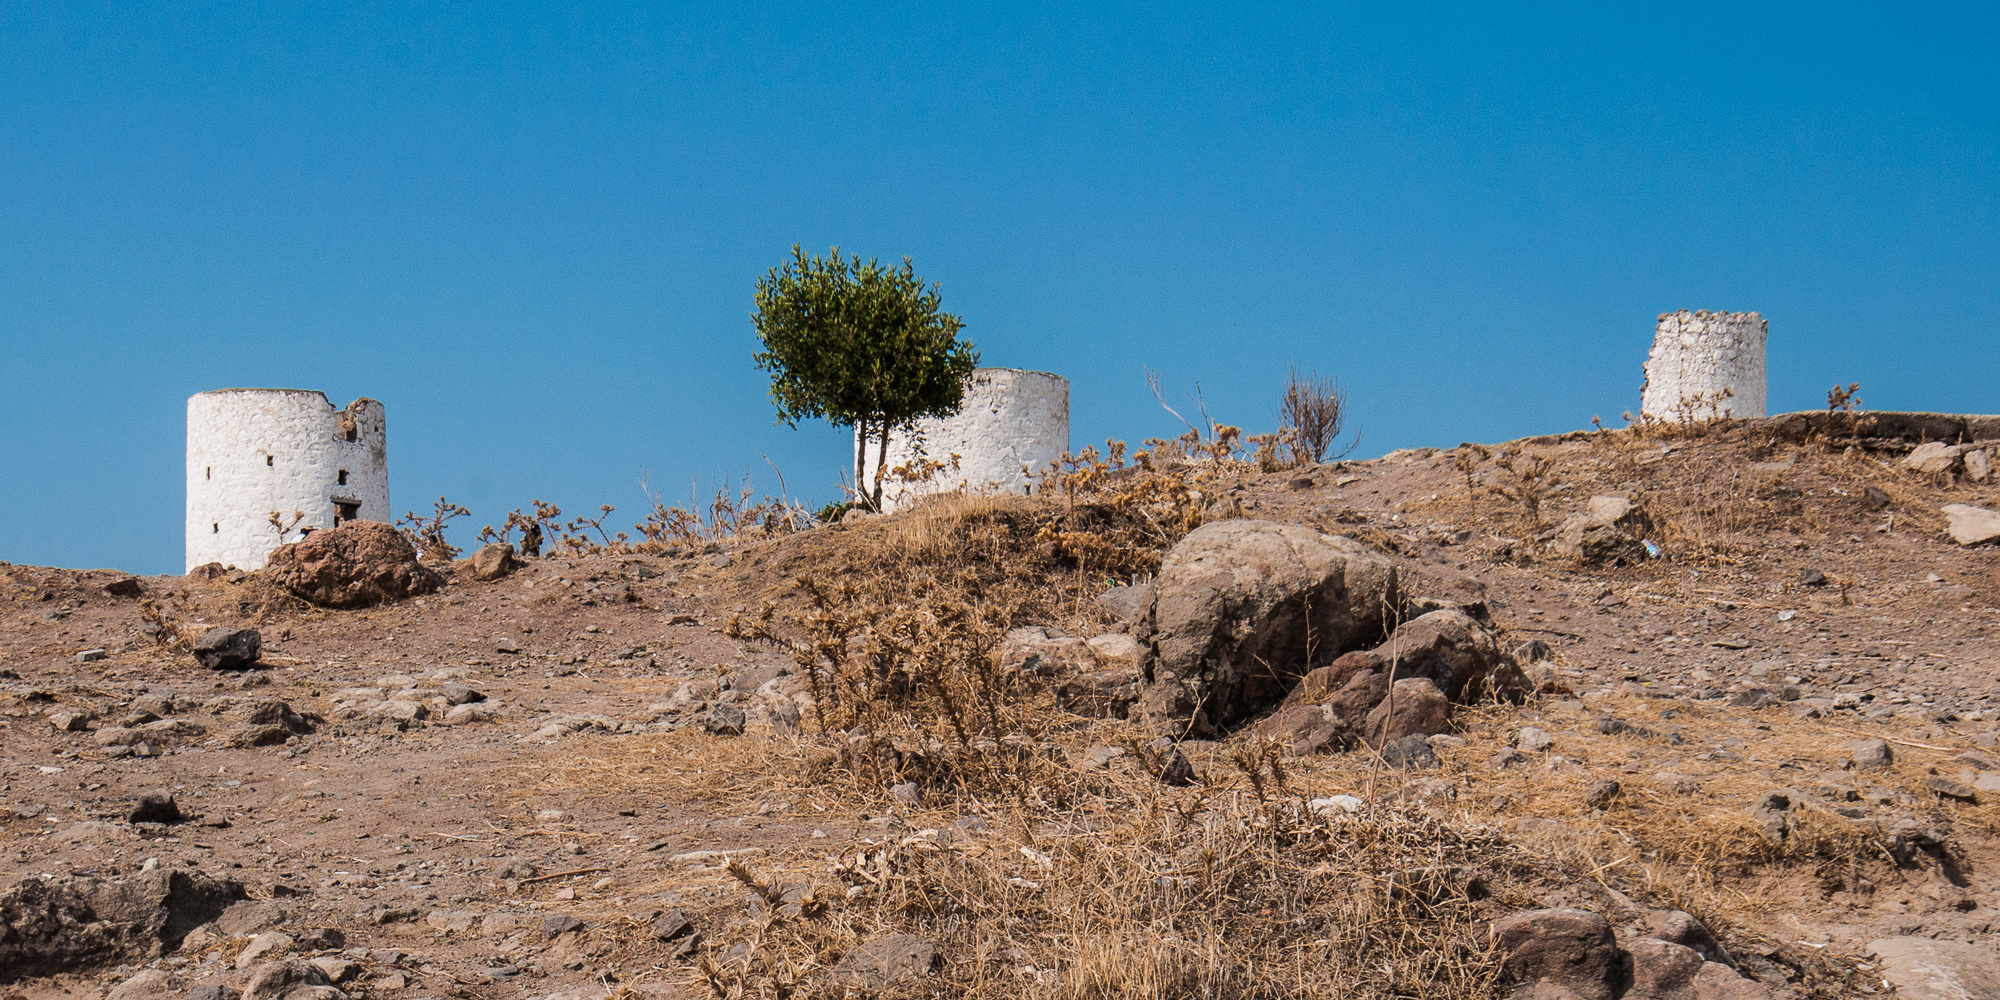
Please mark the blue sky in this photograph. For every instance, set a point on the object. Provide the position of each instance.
(534, 232)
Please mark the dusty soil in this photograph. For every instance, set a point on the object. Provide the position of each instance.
(589, 785)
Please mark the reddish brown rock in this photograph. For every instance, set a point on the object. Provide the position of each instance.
(1563, 949)
(1420, 710)
(358, 564)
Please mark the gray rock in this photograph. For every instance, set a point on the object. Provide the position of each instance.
(91, 656)
(1532, 739)
(886, 961)
(1234, 598)
(505, 644)
(1924, 969)
(1127, 604)
(558, 924)
(147, 984)
(1412, 752)
(215, 991)
(229, 648)
(1933, 457)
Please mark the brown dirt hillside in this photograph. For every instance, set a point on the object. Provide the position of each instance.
(631, 748)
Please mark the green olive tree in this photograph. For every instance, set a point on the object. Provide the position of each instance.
(862, 345)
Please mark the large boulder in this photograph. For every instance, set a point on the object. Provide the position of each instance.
(355, 565)
(49, 926)
(1242, 609)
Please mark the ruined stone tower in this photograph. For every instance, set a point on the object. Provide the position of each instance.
(1698, 356)
(1012, 423)
(255, 452)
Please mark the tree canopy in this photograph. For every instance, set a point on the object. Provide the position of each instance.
(860, 345)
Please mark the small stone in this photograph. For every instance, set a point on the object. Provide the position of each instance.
(267, 945)
(1978, 466)
(1972, 525)
(671, 924)
(1411, 752)
(1870, 755)
(212, 992)
(1875, 497)
(1601, 794)
(1812, 578)
(1947, 788)
(1679, 784)
(506, 645)
(906, 793)
(1772, 813)
(1336, 804)
(452, 921)
(1933, 457)
(229, 648)
(559, 924)
(493, 561)
(69, 722)
(91, 656)
(1533, 740)
(392, 981)
(724, 720)
(886, 961)
(721, 560)
(337, 970)
(155, 809)
(148, 984)
(394, 915)
(459, 694)
(322, 939)
(1175, 770)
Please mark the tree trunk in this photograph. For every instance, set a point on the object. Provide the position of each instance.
(881, 464)
(860, 457)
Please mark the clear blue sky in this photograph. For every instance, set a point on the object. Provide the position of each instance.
(534, 233)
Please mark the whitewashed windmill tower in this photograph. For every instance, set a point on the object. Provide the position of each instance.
(1012, 424)
(1706, 364)
(255, 453)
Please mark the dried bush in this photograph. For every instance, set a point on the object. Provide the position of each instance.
(427, 533)
(1314, 410)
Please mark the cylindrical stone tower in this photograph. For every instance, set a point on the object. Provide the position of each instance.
(252, 453)
(1011, 425)
(1706, 364)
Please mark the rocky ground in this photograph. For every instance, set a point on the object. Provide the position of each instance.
(531, 785)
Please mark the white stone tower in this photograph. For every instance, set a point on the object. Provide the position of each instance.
(255, 452)
(1697, 355)
(1012, 424)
